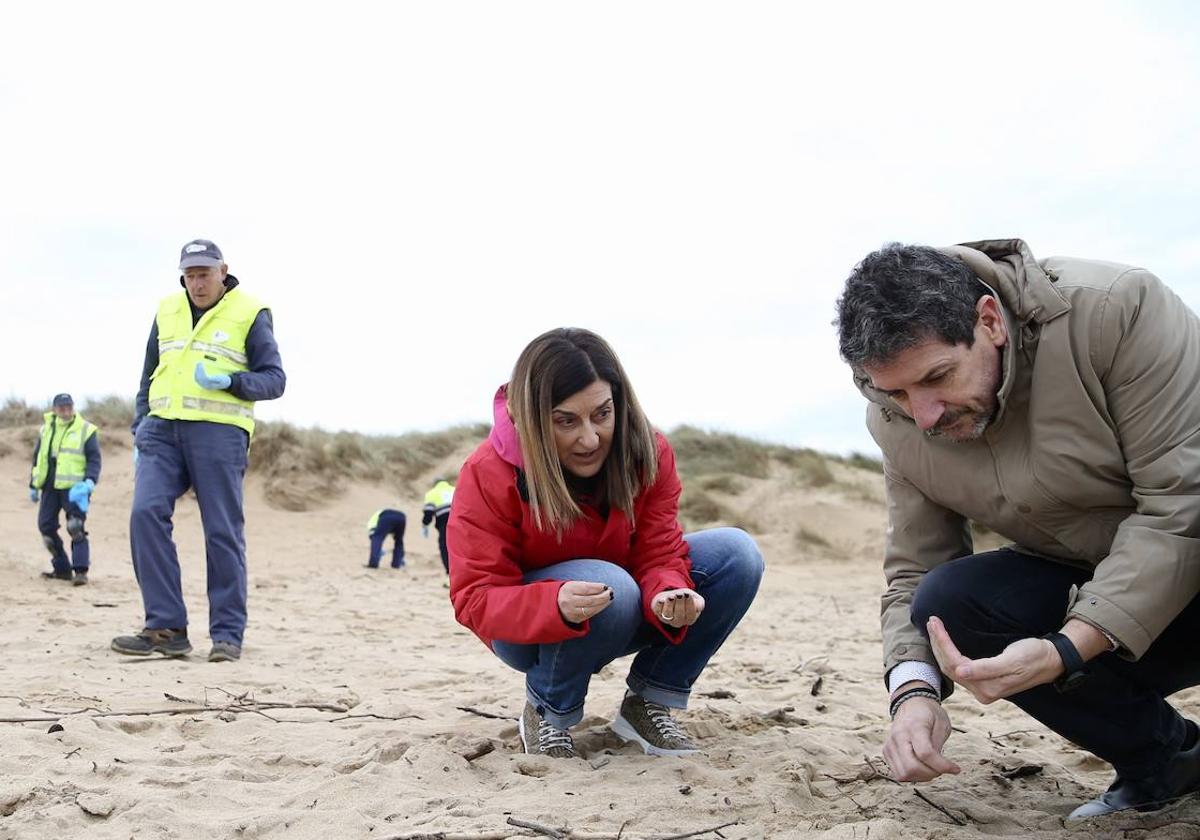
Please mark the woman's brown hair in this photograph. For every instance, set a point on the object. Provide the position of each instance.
(553, 367)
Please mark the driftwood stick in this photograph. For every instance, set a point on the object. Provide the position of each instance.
(693, 833)
(237, 708)
(472, 710)
(450, 835)
(537, 828)
(957, 820)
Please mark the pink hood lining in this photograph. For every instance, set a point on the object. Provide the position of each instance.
(503, 436)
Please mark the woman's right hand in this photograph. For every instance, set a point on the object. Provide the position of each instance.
(579, 600)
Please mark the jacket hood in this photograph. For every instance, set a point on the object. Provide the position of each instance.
(503, 436)
(1028, 299)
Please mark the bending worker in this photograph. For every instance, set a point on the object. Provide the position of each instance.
(211, 356)
(66, 467)
(383, 522)
(437, 511)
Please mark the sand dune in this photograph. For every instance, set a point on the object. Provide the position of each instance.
(791, 714)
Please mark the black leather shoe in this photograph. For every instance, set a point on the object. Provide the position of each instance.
(1180, 777)
(57, 575)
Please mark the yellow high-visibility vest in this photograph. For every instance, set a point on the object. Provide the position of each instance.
(374, 520)
(438, 499)
(219, 341)
(66, 447)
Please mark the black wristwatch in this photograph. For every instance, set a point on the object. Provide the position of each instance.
(1075, 672)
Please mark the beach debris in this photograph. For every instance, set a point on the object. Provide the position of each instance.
(55, 727)
(479, 750)
(1021, 771)
(957, 820)
(96, 804)
(479, 712)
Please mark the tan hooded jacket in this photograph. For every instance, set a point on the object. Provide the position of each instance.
(1093, 458)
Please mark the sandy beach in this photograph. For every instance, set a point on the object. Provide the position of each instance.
(361, 709)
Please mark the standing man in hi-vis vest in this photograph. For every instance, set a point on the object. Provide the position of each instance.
(66, 467)
(211, 356)
(437, 511)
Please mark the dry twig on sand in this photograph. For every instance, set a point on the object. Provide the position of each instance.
(472, 710)
(957, 820)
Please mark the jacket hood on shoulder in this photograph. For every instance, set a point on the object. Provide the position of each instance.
(1027, 295)
(503, 436)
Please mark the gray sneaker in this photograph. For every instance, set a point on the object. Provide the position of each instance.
(651, 726)
(80, 578)
(540, 737)
(224, 652)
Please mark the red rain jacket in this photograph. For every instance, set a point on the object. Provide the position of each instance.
(493, 541)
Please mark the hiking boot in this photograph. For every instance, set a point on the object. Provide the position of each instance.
(540, 737)
(80, 578)
(57, 575)
(224, 652)
(651, 726)
(167, 642)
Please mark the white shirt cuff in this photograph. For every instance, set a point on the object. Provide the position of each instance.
(912, 670)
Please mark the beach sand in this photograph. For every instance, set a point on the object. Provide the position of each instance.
(414, 734)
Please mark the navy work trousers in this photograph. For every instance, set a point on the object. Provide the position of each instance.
(989, 600)
(174, 455)
(54, 501)
(440, 523)
(390, 522)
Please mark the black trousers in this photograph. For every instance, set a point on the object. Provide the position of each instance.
(991, 599)
(440, 523)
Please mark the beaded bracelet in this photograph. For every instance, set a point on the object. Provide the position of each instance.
(904, 696)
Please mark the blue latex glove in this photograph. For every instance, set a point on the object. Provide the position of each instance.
(80, 493)
(212, 383)
(33, 494)
(424, 530)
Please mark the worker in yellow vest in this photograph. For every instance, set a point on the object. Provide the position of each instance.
(382, 523)
(211, 356)
(66, 467)
(437, 511)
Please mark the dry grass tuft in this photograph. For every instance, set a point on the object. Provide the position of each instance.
(111, 412)
(808, 539)
(15, 412)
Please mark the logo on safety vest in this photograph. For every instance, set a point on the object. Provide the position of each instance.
(220, 335)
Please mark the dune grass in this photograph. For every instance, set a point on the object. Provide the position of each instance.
(304, 468)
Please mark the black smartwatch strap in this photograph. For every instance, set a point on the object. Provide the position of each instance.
(1073, 664)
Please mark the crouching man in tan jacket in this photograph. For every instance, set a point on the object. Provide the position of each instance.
(1057, 402)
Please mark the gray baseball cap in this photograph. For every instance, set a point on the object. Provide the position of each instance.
(63, 399)
(200, 252)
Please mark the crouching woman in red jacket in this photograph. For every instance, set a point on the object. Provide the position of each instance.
(566, 551)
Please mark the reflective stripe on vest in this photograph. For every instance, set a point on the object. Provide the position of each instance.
(67, 449)
(219, 341)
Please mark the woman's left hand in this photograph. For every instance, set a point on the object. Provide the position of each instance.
(678, 607)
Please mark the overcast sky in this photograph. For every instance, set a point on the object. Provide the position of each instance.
(418, 191)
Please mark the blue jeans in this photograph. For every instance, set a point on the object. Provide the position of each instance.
(210, 458)
(726, 568)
